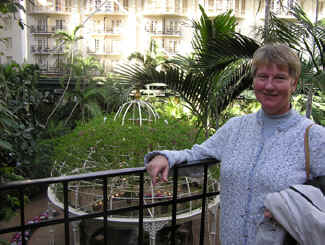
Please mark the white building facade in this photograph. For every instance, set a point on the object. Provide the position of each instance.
(113, 29)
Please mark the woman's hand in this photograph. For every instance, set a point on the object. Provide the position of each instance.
(158, 166)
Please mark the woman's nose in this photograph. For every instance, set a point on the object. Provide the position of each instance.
(268, 84)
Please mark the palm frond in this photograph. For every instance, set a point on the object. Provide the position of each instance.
(223, 51)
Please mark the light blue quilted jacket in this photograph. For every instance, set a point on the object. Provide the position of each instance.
(252, 167)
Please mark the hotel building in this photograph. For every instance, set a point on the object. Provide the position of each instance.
(113, 29)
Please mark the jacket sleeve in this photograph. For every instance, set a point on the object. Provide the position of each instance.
(211, 148)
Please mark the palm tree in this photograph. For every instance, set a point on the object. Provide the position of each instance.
(216, 73)
(68, 41)
(308, 39)
(86, 92)
(267, 16)
(153, 59)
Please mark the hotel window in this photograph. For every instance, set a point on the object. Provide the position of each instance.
(321, 6)
(58, 5)
(178, 5)
(41, 43)
(68, 5)
(7, 21)
(240, 6)
(109, 6)
(41, 60)
(8, 42)
(9, 59)
(96, 44)
(42, 24)
(98, 4)
(115, 46)
(211, 4)
(126, 4)
(59, 24)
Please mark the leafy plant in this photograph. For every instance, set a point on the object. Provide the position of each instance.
(106, 144)
(19, 125)
(308, 39)
(215, 74)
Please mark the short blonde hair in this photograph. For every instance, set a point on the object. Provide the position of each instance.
(279, 54)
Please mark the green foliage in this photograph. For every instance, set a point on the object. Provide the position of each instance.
(215, 74)
(102, 145)
(12, 7)
(307, 38)
(19, 126)
(19, 100)
(86, 91)
(318, 107)
(69, 41)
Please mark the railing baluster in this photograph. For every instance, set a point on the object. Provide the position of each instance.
(66, 213)
(174, 210)
(105, 209)
(141, 206)
(22, 215)
(205, 183)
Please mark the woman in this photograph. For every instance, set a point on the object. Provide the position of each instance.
(260, 153)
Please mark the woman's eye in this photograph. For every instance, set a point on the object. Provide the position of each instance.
(263, 77)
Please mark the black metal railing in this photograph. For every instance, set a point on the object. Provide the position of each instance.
(20, 186)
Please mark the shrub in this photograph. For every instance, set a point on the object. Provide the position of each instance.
(106, 144)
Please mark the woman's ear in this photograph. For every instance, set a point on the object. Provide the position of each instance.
(294, 85)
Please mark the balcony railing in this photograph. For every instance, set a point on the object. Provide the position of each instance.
(164, 10)
(106, 9)
(49, 9)
(46, 29)
(105, 212)
(35, 49)
(213, 11)
(112, 31)
(167, 31)
(171, 50)
(103, 51)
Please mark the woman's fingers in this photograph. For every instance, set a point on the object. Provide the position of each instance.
(158, 166)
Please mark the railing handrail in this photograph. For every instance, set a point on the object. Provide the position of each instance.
(94, 175)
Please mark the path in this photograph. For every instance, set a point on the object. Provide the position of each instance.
(41, 236)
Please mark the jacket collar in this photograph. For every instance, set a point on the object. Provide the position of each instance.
(283, 123)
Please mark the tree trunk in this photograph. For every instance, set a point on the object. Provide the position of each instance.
(266, 20)
(309, 103)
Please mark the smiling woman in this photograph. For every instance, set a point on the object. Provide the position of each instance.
(260, 153)
(275, 78)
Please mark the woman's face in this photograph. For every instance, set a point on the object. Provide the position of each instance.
(273, 87)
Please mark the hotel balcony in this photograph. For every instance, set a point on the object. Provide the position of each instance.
(166, 32)
(154, 10)
(172, 51)
(110, 9)
(35, 49)
(106, 31)
(217, 10)
(103, 51)
(46, 29)
(50, 9)
(46, 69)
